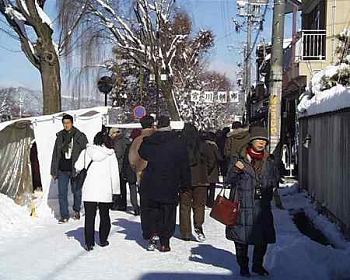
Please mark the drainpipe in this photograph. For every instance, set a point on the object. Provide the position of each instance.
(333, 30)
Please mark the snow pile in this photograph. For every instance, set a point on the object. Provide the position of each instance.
(331, 91)
(13, 218)
(330, 100)
(296, 256)
(295, 199)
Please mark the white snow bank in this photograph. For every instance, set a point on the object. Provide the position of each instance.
(330, 100)
(324, 100)
(13, 218)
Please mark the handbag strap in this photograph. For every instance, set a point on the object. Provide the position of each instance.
(87, 168)
(89, 165)
(223, 190)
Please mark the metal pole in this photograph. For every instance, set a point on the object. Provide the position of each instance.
(106, 99)
(276, 74)
(248, 59)
(157, 97)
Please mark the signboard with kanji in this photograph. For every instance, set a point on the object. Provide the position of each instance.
(195, 95)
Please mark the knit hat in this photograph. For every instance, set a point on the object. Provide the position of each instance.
(258, 132)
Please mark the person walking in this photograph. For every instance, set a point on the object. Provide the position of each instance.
(214, 172)
(120, 144)
(236, 139)
(136, 162)
(253, 175)
(194, 197)
(69, 143)
(101, 182)
(129, 175)
(166, 173)
(221, 139)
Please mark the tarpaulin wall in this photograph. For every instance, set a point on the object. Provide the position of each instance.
(45, 135)
(15, 171)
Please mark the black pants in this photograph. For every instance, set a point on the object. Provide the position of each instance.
(119, 201)
(105, 221)
(242, 254)
(159, 219)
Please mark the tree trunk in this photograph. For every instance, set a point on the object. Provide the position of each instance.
(51, 86)
(170, 101)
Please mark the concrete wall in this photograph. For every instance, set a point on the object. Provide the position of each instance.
(324, 167)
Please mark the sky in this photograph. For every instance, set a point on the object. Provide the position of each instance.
(216, 15)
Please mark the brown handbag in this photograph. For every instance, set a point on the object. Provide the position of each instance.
(225, 211)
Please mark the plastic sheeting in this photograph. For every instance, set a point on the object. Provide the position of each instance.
(15, 175)
(45, 136)
(15, 142)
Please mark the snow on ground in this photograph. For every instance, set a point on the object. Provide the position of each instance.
(46, 250)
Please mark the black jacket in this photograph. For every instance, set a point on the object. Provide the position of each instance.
(79, 144)
(167, 170)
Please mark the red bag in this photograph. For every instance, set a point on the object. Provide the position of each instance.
(225, 211)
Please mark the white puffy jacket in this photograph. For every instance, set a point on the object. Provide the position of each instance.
(102, 180)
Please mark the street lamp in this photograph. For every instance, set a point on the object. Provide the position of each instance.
(105, 85)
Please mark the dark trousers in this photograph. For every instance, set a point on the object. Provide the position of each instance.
(133, 196)
(193, 198)
(211, 195)
(64, 177)
(158, 218)
(258, 254)
(119, 201)
(105, 221)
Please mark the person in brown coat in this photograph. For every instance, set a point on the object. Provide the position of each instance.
(237, 138)
(136, 162)
(213, 173)
(201, 163)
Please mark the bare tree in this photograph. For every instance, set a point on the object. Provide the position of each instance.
(145, 35)
(34, 30)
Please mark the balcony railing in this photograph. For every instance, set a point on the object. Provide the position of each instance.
(313, 45)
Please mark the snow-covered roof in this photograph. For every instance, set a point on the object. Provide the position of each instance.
(333, 99)
(328, 100)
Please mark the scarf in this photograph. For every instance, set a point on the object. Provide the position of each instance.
(257, 159)
(67, 137)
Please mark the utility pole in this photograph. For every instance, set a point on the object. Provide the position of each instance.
(251, 11)
(276, 74)
(248, 61)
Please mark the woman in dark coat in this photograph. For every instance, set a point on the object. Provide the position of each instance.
(253, 175)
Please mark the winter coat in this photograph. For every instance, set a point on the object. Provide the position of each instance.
(79, 144)
(236, 140)
(215, 153)
(167, 169)
(128, 174)
(200, 170)
(120, 145)
(102, 180)
(255, 224)
(136, 162)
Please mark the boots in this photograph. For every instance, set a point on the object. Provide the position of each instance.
(242, 259)
(258, 260)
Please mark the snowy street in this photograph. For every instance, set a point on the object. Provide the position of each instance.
(37, 249)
